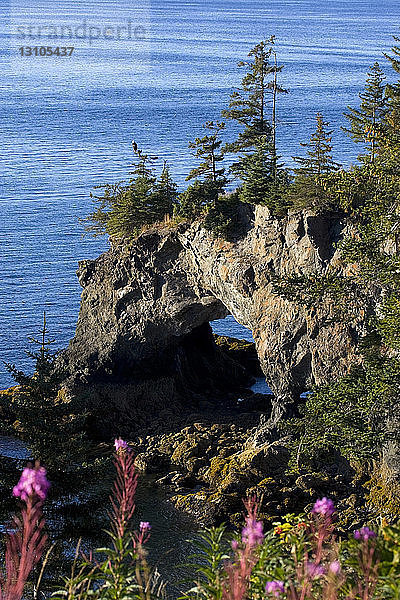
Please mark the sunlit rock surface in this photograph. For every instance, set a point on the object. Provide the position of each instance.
(145, 311)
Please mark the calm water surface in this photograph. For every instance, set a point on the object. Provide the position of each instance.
(66, 124)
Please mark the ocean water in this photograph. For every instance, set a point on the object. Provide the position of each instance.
(66, 123)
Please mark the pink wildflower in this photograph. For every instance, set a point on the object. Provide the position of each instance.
(365, 533)
(33, 482)
(324, 507)
(235, 544)
(335, 567)
(276, 588)
(144, 526)
(314, 570)
(120, 445)
(252, 533)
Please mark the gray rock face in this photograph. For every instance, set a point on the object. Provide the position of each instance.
(145, 309)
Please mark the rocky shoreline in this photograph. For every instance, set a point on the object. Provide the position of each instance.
(210, 458)
(214, 461)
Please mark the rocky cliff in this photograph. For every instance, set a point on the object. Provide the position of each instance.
(143, 323)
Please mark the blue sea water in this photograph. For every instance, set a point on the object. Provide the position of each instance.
(66, 124)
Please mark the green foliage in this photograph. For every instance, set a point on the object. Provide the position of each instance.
(248, 106)
(264, 180)
(358, 414)
(344, 568)
(96, 223)
(132, 208)
(208, 150)
(118, 571)
(392, 120)
(261, 184)
(310, 185)
(125, 208)
(197, 198)
(165, 194)
(367, 123)
(52, 424)
(212, 551)
(350, 415)
(222, 217)
(274, 88)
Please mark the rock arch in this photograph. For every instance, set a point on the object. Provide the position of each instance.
(145, 309)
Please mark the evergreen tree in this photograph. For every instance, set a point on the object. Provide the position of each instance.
(198, 198)
(367, 123)
(165, 195)
(51, 423)
(223, 216)
(391, 153)
(274, 89)
(263, 181)
(309, 188)
(208, 150)
(393, 89)
(96, 223)
(132, 207)
(248, 106)
(125, 208)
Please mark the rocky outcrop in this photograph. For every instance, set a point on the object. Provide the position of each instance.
(210, 465)
(145, 311)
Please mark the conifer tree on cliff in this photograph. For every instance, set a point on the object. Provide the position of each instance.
(393, 90)
(367, 123)
(264, 182)
(134, 205)
(254, 107)
(274, 89)
(248, 106)
(165, 194)
(208, 150)
(197, 199)
(309, 187)
(124, 208)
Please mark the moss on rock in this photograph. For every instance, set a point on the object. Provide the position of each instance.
(383, 495)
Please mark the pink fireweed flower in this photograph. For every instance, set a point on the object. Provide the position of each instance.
(120, 445)
(365, 533)
(324, 507)
(252, 533)
(314, 571)
(144, 526)
(276, 588)
(335, 567)
(235, 544)
(33, 482)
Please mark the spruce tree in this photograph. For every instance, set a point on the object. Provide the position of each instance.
(248, 106)
(367, 123)
(132, 207)
(51, 423)
(195, 201)
(165, 195)
(391, 152)
(260, 184)
(309, 188)
(264, 182)
(256, 175)
(208, 149)
(96, 223)
(274, 89)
